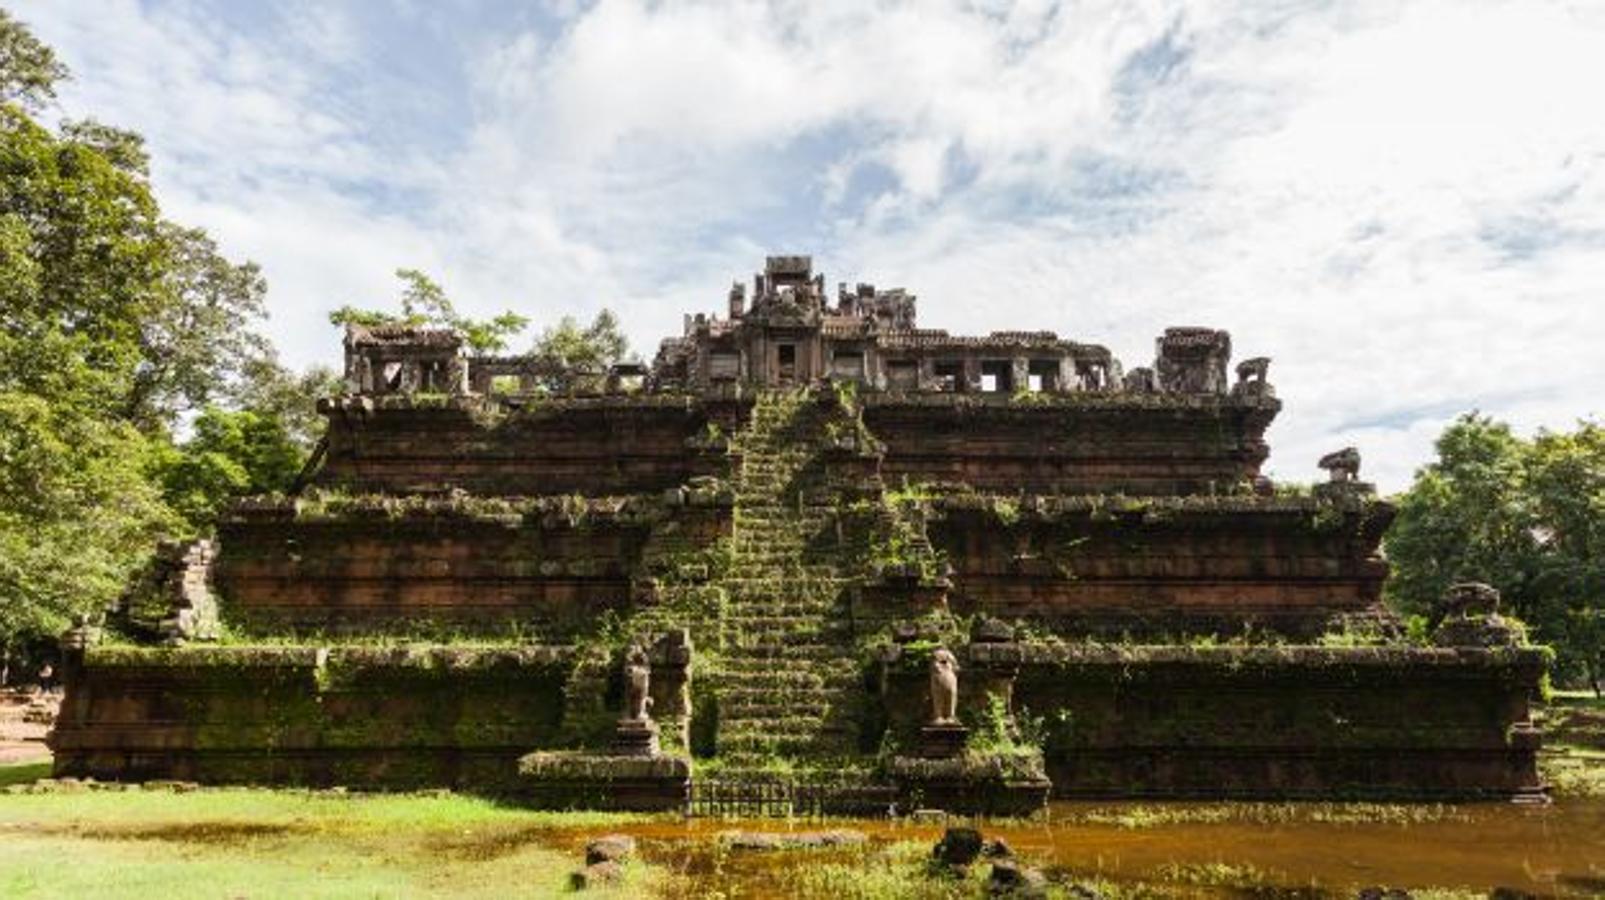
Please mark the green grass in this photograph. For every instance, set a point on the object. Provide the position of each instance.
(23, 773)
(1573, 758)
(1139, 816)
(259, 843)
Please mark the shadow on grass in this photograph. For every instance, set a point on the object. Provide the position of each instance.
(24, 773)
(206, 833)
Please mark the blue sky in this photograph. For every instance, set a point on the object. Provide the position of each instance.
(1401, 203)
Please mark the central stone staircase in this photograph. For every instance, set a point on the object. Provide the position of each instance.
(789, 688)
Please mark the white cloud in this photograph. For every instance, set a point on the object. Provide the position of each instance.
(1403, 203)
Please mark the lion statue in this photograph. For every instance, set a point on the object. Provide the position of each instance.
(1343, 465)
(944, 687)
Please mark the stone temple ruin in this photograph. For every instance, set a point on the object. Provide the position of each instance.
(813, 555)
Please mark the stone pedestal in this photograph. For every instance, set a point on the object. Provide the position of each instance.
(569, 780)
(635, 737)
(972, 784)
(942, 741)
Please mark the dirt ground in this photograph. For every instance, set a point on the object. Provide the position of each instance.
(25, 718)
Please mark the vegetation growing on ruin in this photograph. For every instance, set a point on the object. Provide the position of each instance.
(424, 303)
(1525, 516)
(1573, 757)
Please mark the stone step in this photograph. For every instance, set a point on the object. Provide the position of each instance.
(769, 620)
(768, 638)
(785, 722)
(788, 626)
(760, 543)
(796, 586)
(770, 680)
(783, 708)
(748, 660)
(782, 652)
(756, 748)
(828, 618)
(819, 694)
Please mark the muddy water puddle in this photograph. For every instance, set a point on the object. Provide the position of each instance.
(1219, 849)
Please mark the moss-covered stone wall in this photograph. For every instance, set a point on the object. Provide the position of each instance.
(1072, 443)
(531, 446)
(1137, 567)
(545, 569)
(403, 717)
(1281, 721)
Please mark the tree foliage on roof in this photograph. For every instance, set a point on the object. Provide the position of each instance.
(424, 304)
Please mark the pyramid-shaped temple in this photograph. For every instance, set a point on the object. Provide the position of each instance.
(812, 558)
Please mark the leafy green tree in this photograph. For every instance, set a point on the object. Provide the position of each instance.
(268, 388)
(113, 324)
(1466, 517)
(198, 338)
(565, 349)
(1566, 480)
(78, 511)
(229, 454)
(424, 304)
(85, 267)
(29, 69)
(1524, 516)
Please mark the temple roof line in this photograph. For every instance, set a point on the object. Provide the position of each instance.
(787, 331)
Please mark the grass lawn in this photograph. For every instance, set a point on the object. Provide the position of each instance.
(260, 843)
(1573, 758)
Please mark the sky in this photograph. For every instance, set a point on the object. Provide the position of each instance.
(1401, 202)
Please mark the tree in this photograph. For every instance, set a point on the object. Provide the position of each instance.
(566, 349)
(230, 454)
(113, 323)
(29, 69)
(1524, 516)
(1566, 480)
(268, 388)
(85, 265)
(198, 337)
(424, 304)
(78, 512)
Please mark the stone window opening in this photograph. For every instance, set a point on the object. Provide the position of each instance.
(392, 376)
(949, 375)
(1042, 375)
(997, 376)
(902, 374)
(431, 376)
(788, 361)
